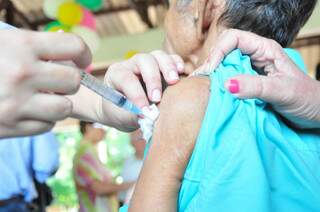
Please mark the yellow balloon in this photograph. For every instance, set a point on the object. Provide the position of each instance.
(130, 54)
(70, 14)
(50, 7)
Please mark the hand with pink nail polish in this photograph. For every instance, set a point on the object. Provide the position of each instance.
(291, 92)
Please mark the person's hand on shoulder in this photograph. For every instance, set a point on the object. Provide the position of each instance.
(291, 92)
(32, 89)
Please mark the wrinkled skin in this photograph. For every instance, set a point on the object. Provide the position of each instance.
(296, 97)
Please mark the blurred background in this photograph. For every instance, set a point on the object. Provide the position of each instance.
(114, 30)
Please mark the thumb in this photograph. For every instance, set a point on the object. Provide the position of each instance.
(267, 88)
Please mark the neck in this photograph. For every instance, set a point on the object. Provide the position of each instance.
(211, 40)
(199, 57)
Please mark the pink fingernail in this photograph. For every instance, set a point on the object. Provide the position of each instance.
(234, 86)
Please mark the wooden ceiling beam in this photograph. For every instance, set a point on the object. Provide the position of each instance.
(141, 6)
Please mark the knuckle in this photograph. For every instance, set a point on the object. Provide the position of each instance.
(67, 110)
(79, 44)
(142, 56)
(76, 79)
(229, 32)
(157, 52)
(275, 45)
(114, 71)
(26, 39)
(63, 109)
(112, 68)
(21, 72)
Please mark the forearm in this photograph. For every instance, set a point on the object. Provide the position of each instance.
(160, 179)
(108, 188)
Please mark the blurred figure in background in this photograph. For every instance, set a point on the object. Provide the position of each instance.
(95, 187)
(133, 165)
(25, 162)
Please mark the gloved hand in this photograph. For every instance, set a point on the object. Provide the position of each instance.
(124, 77)
(31, 89)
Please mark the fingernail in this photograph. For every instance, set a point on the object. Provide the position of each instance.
(234, 86)
(173, 75)
(156, 95)
(180, 66)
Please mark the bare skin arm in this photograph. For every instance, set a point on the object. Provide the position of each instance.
(182, 110)
(108, 188)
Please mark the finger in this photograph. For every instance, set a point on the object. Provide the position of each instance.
(26, 128)
(179, 63)
(126, 82)
(249, 43)
(148, 68)
(57, 78)
(62, 46)
(46, 107)
(167, 66)
(269, 89)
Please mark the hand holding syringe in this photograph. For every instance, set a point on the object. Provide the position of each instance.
(104, 91)
(108, 93)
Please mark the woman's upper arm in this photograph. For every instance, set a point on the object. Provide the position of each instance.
(181, 112)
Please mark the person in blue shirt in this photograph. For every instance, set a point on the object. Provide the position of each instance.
(21, 161)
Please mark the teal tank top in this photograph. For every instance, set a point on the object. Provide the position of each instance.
(246, 158)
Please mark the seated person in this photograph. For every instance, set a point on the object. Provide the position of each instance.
(211, 151)
(95, 187)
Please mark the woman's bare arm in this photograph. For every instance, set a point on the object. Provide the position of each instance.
(108, 188)
(181, 112)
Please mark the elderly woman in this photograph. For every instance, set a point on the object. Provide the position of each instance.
(211, 151)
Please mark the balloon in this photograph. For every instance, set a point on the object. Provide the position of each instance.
(89, 36)
(50, 7)
(88, 19)
(130, 54)
(70, 13)
(91, 4)
(56, 26)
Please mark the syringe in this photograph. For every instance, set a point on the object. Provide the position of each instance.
(108, 93)
(98, 87)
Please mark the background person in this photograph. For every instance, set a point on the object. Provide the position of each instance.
(23, 160)
(132, 165)
(95, 187)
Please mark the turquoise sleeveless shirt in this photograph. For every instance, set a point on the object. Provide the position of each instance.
(246, 158)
